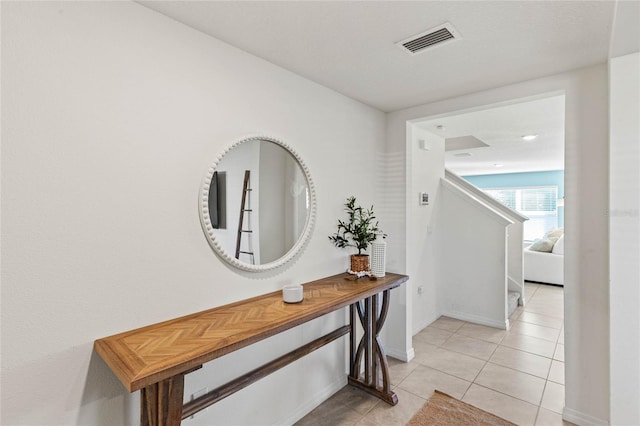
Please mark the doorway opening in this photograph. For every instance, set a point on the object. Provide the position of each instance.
(515, 152)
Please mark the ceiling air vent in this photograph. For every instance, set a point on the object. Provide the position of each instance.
(434, 37)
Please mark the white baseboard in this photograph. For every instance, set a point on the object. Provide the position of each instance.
(335, 386)
(582, 419)
(504, 325)
(425, 323)
(405, 356)
(316, 400)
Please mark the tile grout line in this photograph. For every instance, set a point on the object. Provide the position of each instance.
(538, 297)
(483, 367)
(552, 357)
(510, 396)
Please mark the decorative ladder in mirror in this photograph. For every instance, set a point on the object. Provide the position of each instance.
(245, 207)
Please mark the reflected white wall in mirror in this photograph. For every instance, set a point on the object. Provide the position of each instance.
(279, 208)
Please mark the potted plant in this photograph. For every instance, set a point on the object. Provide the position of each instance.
(358, 231)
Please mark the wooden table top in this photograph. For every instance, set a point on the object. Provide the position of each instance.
(148, 355)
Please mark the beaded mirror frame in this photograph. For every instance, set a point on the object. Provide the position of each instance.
(205, 220)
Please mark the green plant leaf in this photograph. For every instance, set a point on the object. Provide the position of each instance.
(359, 231)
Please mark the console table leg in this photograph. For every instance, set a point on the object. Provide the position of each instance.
(373, 376)
(353, 318)
(161, 403)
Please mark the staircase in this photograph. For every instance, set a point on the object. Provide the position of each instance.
(486, 237)
(513, 298)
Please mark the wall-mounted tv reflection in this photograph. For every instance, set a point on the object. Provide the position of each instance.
(218, 200)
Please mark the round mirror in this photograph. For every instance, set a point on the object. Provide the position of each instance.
(257, 204)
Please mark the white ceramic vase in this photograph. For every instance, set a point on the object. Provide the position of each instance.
(378, 256)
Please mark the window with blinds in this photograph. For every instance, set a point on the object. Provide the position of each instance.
(538, 204)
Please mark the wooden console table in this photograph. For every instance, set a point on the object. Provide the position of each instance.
(155, 359)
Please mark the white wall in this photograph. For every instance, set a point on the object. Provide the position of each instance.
(426, 168)
(272, 196)
(234, 163)
(624, 83)
(111, 115)
(472, 255)
(392, 185)
(515, 231)
(586, 224)
(296, 201)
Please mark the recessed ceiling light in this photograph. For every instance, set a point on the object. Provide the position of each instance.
(529, 138)
(498, 165)
(441, 127)
(463, 154)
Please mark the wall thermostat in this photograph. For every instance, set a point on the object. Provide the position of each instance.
(424, 199)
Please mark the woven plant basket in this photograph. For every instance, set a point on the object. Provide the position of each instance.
(359, 262)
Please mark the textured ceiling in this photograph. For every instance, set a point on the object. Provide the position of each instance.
(502, 129)
(350, 46)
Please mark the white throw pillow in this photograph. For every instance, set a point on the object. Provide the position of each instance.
(544, 245)
(554, 233)
(558, 247)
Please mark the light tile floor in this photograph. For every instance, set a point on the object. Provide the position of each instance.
(517, 375)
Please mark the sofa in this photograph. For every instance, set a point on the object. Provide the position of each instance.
(544, 259)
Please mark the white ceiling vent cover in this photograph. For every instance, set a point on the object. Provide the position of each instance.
(434, 37)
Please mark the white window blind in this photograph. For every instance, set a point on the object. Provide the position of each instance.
(537, 203)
